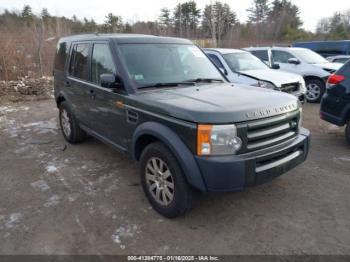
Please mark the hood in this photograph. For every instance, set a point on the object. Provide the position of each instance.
(215, 103)
(329, 66)
(278, 78)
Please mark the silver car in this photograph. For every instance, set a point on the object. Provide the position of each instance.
(242, 67)
(338, 59)
(314, 68)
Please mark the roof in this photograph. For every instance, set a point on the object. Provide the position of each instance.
(322, 41)
(126, 38)
(339, 56)
(224, 50)
(273, 47)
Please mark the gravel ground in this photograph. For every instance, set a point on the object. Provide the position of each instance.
(86, 199)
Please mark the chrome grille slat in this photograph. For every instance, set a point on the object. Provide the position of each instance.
(264, 133)
(269, 142)
(267, 132)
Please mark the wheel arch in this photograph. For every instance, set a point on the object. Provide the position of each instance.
(309, 77)
(59, 100)
(151, 132)
(346, 114)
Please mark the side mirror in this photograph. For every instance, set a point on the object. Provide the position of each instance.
(110, 81)
(223, 70)
(293, 61)
(275, 66)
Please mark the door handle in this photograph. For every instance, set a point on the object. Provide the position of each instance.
(92, 94)
(67, 83)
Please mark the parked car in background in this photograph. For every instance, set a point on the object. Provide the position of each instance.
(327, 48)
(314, 68)
(242, 67)
(342, 59)
(162, 102)
(335, 104)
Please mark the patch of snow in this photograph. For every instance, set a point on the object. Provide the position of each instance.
(14, 218)
(11, 109)
(127, 231)
(344, 158)
(72, 197)
(52, 201)
(7, 109)
(333, 127)
(43, 127)
(41, 185)
(51, 169)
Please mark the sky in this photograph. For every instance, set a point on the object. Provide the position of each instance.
(135, 10)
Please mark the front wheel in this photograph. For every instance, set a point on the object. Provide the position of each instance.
(347, 132)
(163, 181)
(314, 90)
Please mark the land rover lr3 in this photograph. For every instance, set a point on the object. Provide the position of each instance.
(165, 104)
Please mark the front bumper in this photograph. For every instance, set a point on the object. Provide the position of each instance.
(233, 173)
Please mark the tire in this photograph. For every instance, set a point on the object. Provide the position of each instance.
(347, 132)
(158, 165)
(69, 125)
(315, 89)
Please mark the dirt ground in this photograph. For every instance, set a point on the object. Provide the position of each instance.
(57, 198)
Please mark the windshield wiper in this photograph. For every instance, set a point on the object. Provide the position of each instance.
(160, 85)
(204, 80)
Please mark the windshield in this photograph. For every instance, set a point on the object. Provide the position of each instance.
(243, 62)
(309, 57)
(149, 64)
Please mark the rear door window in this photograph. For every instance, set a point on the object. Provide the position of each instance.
(61, 56)
(261, 54)
(79, 64)
(345, 70)
(101, 62)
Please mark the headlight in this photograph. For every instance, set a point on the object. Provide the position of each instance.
(300, 118)
(267, 85)
(217, 140)
(302, 86)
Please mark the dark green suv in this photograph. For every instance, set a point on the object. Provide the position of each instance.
(162, 102)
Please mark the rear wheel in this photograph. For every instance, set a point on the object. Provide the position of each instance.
(314, 90)
(163, 181)
(69, 125)
(347, 132)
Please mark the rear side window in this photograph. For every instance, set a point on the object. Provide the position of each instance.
(281, 56)
(341, 60)
(102, 62)
(345, 70)
(79, 64)
(261, 54)
(216, 61)
(61, 56)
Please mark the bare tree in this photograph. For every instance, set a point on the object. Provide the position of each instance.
(218, 19)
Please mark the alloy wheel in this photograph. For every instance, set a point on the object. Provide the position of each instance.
(160, 182)
(65, 121)
(313, 92)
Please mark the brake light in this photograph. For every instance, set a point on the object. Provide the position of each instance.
(335, 79)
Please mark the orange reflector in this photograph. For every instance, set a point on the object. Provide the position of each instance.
(203, 139)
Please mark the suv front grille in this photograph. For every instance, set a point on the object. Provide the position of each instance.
(291, 87)
(260, 134)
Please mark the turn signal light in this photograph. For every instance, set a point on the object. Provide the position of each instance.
(204, 140)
